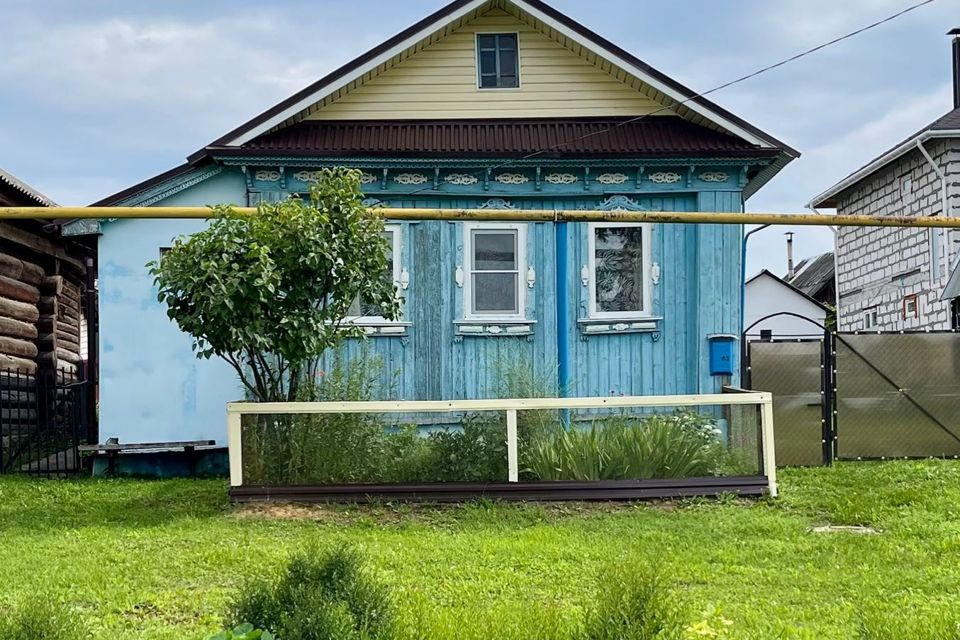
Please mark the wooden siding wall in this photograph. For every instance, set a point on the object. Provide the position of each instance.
(440, 81)
(698, 295)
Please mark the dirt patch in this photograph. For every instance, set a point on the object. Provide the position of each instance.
(854, 529)
(438, 514)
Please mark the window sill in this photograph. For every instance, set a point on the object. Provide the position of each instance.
(381, 327)
(594, 326)
(491, 327)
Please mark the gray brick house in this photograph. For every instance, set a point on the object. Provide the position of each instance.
(900, 279)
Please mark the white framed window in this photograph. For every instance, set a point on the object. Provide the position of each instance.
(495, 256)
(619, 269)
(911, 306)
(498, 60)
(363, 312)
(870, 320)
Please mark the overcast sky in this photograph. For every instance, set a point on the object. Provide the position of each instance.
(100, 94)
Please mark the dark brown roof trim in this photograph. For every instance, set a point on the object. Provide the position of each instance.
(140, 187)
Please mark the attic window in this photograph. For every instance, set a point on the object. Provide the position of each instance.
(498, 61)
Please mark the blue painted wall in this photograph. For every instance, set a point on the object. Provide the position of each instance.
(154, 389)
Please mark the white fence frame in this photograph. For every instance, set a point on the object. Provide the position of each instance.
(236, 410)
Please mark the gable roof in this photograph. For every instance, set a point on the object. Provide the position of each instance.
(813, 274)
(458, 9)
(676, 97)
(787, 285)
(946, 126)
(32, 195)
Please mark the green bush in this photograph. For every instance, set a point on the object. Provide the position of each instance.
(633, 602)
(477, 451)
(679, 445)
(40, 618)
(323, 448)
(320, 596)
(242, 632)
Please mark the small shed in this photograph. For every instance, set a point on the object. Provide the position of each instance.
(766, 295)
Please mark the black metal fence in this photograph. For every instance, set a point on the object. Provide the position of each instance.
(43, 421)
(858, 396)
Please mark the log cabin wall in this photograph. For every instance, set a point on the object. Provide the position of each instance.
(41, 301)
(42, 289)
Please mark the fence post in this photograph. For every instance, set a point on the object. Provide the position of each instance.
(234, 422)
(827, 399)
(513, 470)
(767, 444)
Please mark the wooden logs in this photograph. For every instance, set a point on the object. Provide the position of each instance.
(52, 285)
(18, 310)
(16, 290)
(59, 354)
(32, 274)
(10, 267)
(17, 329)
(17, 347)
(49, 305)
(11, 363)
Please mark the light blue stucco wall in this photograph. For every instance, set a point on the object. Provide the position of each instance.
(153, 388)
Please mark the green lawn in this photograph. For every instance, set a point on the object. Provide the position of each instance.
(142, 559)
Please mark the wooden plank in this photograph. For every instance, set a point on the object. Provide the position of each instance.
(39, 244)
(17, 347)
(145, 446)
(18, 310)
(17, 329)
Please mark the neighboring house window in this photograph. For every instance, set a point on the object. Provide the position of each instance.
(870, 318)
(955, 313)
(363, 311)
(619, 261)
(911, 306)
(498, 60)
(906, 187)
(495, 256)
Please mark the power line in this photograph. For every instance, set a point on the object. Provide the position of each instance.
(725, 85)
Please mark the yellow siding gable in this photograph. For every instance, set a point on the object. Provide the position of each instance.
(440, 81)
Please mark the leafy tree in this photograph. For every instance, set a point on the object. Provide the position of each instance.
(269, 293)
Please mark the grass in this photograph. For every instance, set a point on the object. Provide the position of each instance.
(152, 560)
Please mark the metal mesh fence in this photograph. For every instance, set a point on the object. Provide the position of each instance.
(793, 372)
(898, 395)
(861, 396)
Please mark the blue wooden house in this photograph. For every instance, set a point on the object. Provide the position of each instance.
(485, 103)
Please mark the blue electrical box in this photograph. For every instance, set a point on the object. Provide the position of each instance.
(722, 354)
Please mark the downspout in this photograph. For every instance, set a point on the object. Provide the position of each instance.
(934, 245)
(743, 275)
(563, 312)
(836, 268)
